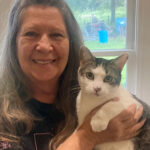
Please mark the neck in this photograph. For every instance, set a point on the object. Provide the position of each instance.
(45, 92)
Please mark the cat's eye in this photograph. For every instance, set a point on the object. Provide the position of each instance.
(108, 78)
(90, 75)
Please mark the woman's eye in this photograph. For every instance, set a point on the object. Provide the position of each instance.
(57, 35)
(31, 34)
(108, 78)
(90, 75)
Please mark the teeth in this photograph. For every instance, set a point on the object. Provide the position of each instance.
(43, 62)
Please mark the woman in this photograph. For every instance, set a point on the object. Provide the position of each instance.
(39, 83)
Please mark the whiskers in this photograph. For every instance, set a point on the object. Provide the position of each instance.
(75, 89)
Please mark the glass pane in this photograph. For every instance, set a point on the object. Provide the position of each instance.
(103, 22)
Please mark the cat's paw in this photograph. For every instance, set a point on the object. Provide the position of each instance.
(98, 124)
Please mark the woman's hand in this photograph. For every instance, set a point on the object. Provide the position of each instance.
(124, 126)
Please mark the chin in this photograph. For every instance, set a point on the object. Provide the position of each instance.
(44, 78)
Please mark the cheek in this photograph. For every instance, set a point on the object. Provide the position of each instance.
(23, 60)
(86, 84)
(22, 53)
(63, 51)
(20, 47)
(106, 88)
(90, 87)
(65, 54)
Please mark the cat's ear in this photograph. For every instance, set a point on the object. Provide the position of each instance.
(121, 61)
(85, 55)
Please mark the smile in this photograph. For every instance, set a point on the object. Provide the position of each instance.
(44, 62)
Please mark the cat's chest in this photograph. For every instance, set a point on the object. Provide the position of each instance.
(86, 103)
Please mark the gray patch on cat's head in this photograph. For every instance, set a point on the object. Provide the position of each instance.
(87, 67)
(111, 71)
(114, 67)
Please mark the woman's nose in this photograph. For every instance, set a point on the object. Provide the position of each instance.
(44, 44)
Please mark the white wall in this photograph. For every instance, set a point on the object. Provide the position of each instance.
(143, 50)
(4, 9)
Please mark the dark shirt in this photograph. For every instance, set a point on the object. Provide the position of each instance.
(43, 130)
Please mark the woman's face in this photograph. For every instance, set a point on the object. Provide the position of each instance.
(42, 44)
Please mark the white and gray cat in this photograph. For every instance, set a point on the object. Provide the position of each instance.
(99, 80)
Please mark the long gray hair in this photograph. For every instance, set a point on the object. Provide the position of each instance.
(14, 85)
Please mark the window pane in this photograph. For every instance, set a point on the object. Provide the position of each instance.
(103, 22)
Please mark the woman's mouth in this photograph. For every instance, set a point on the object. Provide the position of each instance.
(44, 62)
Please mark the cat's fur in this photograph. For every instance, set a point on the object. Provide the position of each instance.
(99, 80)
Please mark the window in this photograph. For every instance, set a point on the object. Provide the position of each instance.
(108, 28)
(103, 23)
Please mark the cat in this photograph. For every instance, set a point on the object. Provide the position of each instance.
(99, 81)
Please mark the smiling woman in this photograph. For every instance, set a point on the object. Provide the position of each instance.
(38, 83)
(40, 61)
(43, 48)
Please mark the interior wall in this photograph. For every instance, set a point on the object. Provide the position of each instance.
(143, 50)
(4, 10)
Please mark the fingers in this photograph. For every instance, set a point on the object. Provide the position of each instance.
(134, 118)
(138, 113)
(127, 123)
(135, 130)
(132, 126)
(131, 135)
(138, 126)
(127, 113)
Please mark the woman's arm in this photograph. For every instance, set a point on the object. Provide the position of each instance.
(123, 126)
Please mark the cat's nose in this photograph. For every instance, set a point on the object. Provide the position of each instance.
(97, 89)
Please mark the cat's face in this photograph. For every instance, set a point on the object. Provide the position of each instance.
(98, 76)
(95, 80)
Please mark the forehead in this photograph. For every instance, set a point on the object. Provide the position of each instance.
(42, 16)
(99, 70)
